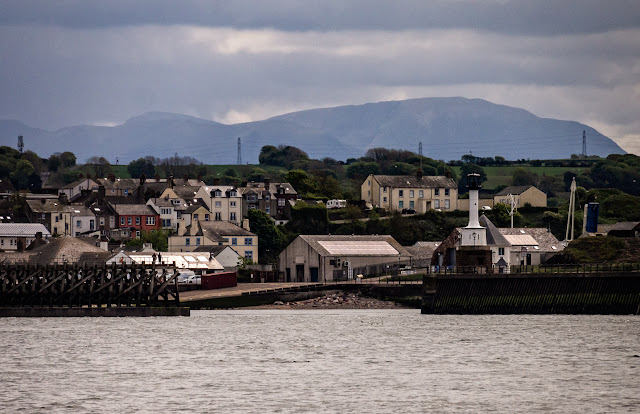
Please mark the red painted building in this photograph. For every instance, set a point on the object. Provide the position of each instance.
(137, 218)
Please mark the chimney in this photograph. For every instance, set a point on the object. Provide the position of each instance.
(243, 184)
(447, 173)
(143, 178)
(157, 177)
(216, 181)
(185, 178)
(267, 182)
(112, 178)
(419, 174)
(171, 184)
(39, 235)
(101, 194)
(245, 224)
(62, 197)
(43, 200)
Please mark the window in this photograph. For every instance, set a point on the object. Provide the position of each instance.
(138, 221)
(218, 204)
(281, 202)
(400, 193)
(501, 251)
(234, 241)
(122, 221)
(368, 192)
(436, 191)
(411, 205)
(197, 241)
(126, 192)
(248, 254)
(410, 193)
(78, 223)
(267, 209)
(384, 199)
(187, 242)
(43, 216)
(233, 193)
(248, 241)
(151, 221)
(446, 191)
(232, 203)
(206, 217)
(400, 204)
(436, 203)
(195, 217)
(77, 234)
(217, 193)
(421, 194)
(129, 221)
(232, 216)
(56, 219)
(102, 221)
(138, 234)
(92, 224)
(384, 189)
(218, 216)
(447, 204)
(267, 197)
(112, 221)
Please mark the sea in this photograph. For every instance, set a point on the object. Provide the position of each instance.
(321, 361)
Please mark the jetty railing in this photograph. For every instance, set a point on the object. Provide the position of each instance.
(71, 285)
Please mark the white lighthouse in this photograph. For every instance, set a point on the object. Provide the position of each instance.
(474, 234)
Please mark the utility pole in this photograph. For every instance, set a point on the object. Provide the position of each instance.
(20, 143)
(572, 211)
(584, 144)
(239, 152)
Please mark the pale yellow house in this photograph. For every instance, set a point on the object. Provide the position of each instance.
(224, 202)
(420, 193)
(216, 233)
(521, 195)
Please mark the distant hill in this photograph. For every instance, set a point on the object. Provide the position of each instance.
(447, 127)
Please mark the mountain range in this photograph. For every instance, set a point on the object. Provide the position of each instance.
(447, 128)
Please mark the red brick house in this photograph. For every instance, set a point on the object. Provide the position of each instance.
(137, 218)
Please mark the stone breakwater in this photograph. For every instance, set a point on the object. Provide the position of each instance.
(334, 301)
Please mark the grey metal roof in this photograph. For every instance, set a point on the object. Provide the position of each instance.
(515, 190)
(360, 245)
(412, 181)
(547, 242)
(23, 230)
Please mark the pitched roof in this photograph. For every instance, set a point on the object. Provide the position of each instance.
(64, 249)
(219, 230)
(360, 245)
(135, 210)
(412, 181)
(6, 186)
(547, 242)
(119, 183)
(494, 237)
(23, 230)
(625, 226)
(274, 188)
(187, 192)
(515, 190)
(46, 205)
(422, 250)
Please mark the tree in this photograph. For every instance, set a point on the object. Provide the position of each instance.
(68, 159)
(20, 177)
(53, 163)
(141, 166)
(361, 170)
(301, 181)
(158, 238)
(271, 240)
(524, 177)
(98, 167)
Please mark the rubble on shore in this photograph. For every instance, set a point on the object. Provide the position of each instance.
(334, 301)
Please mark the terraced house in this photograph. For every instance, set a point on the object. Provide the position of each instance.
(415, 192)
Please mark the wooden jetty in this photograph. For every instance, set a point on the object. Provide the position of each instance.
(72, 290)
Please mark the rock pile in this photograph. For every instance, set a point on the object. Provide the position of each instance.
(336, 301)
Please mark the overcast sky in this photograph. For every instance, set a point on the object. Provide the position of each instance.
(101, 62)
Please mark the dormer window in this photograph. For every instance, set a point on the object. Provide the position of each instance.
(281, 191)
(217, 193)
(233, 193)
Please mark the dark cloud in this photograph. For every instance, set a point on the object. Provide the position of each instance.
(542, 17)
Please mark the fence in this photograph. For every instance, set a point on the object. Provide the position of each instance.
(23, 285)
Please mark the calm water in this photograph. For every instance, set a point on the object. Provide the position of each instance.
(384, 361)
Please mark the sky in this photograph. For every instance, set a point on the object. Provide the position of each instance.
(95, 62)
